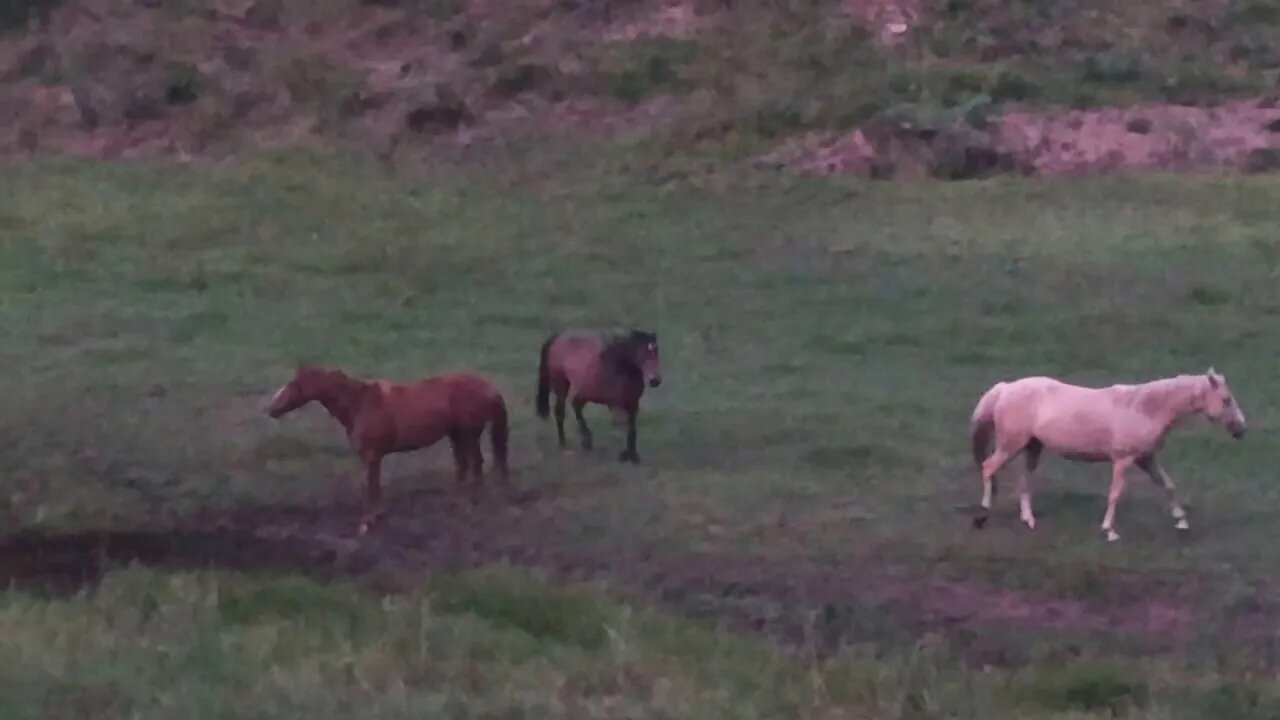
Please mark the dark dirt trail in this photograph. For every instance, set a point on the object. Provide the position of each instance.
(796, 601)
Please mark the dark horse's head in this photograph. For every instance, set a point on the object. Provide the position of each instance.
(638, 350)
(309, 383)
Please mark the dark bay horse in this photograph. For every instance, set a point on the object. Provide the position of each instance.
(381, 418)
(610, 369)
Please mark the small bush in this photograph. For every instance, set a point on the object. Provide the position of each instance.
(648, 68)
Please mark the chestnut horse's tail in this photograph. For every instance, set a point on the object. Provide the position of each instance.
(543, 401)
(498, 433)
(983, 423)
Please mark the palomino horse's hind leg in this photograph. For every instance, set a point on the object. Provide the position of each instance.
(1113, 498)
(583, 431)
(1034, 448)
(1151, 466)
(990, 467)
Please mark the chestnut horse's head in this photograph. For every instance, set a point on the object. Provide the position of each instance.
(308, 383)
(1221, 407)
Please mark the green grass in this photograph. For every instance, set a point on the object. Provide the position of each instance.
(823, 344)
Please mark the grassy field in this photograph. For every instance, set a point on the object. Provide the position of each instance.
(806, 468)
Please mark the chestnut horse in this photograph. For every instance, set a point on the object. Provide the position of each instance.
(1123, 424)
(609, 369)
(381, 418)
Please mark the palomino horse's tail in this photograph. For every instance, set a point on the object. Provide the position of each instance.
(983, 423)
(543, 402)
(498, 433)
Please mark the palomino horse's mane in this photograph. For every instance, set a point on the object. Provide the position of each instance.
(1172, 393)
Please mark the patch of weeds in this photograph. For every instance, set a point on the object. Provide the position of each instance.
(1253, 12)
(550, 615)
(1231, 700)
(1085, 685)
(1113, 66)
(286, 599)
(1206, 296)
(14, 14)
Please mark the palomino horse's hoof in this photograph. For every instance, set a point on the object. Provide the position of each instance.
(979, 522)
(1112, 535)
(1182, 524)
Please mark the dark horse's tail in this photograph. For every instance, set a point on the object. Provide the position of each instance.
(543, 401)
(498, 433)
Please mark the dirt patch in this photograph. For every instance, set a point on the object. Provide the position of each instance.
(796, 601)
(1238, 136)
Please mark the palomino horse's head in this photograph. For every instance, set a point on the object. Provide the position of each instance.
(642, 351)
(1221, 407)
(308, 384)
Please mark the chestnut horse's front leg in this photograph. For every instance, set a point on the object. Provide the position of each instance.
(373, 510)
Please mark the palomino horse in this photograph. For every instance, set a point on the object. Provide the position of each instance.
(1123, 424)
(609, 369)
(381, 418)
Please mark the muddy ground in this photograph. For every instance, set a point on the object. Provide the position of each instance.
(799, 602)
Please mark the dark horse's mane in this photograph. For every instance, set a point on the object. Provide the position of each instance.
(617, 352)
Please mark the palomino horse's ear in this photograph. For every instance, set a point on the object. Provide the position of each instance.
(1213, 377)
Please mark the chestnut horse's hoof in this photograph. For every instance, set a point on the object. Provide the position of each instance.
(629, 457)
(979, 522)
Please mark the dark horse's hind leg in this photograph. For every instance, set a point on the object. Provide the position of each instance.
(630, 455)
(583, 430)
(559, 410)
(461, 454)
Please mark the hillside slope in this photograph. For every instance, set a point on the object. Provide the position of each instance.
(880, 87)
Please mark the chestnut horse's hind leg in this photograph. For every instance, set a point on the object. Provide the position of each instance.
(630, 455)
(583, 431)
(373, 510)
(1151, 466)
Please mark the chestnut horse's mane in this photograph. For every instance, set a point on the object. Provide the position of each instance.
(617, 349)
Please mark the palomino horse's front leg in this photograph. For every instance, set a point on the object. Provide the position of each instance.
(373, 511)
(1151, 466)
(1024, 481)
(1113, 497)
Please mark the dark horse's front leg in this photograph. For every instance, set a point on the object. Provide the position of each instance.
(373, 510)
(630, 455)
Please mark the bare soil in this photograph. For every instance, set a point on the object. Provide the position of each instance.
(796, 601)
